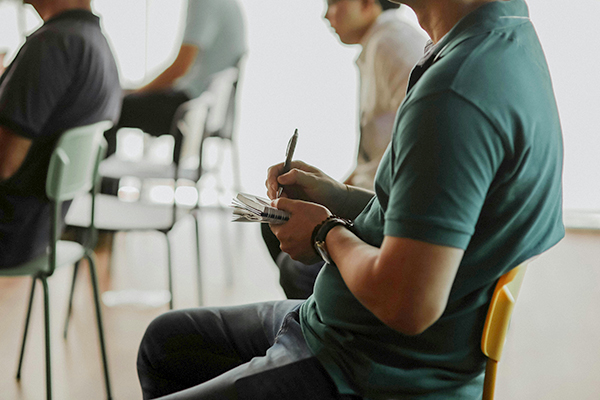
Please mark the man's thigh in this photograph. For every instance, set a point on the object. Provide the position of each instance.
(287, 370)
(184, 348)
(151, 112)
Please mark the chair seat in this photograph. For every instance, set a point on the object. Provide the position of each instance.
(113, 214)
(67, 252)
(116, 168)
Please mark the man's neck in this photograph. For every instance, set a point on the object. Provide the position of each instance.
(368, 27)
(437, 17)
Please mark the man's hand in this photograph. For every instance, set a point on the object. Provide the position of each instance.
(295, 235)
(305, 182)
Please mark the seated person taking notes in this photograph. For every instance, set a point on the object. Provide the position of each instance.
(391, 44)
(469, 188)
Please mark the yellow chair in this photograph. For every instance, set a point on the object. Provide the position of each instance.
(496, 324)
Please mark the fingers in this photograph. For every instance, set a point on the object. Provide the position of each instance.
(271, 182)
(275, 177)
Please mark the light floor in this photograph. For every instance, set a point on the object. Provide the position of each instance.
(553, 350)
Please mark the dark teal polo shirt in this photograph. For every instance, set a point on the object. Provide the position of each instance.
(475, 163)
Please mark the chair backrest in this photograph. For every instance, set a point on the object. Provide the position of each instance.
(212, 114)
(72, 164)
(72, 171)
(221, 117)
(190, 122)
(497, 322)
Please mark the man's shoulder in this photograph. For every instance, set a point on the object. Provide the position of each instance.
(397, 27)
(55, 35)
(490, 67)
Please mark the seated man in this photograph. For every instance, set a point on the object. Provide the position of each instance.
(390, 46)
(214, 40)
(470, 187)
(64, 76)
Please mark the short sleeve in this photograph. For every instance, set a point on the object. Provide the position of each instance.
(33, 85)
(202, 23)
(443, 166)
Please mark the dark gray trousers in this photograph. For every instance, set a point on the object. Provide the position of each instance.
(254, 351)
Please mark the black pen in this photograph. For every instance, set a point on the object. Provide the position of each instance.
(287, 165)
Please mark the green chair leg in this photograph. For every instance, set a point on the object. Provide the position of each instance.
(47, 338)
(26, 328)
(94, 279)
(70, 307)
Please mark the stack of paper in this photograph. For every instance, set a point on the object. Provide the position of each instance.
(250, 208)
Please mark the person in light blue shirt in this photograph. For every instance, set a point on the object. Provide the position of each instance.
(214, 39)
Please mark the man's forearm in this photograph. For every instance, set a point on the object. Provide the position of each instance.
(13, 149)
(354, 201)
(185, 59)
(406, 283)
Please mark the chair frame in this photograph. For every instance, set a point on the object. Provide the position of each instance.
(497, 323)
(213, 116)
(59, 189)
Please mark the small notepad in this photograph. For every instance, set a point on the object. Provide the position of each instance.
(250, 208)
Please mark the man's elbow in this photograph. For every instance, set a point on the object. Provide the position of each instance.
(412, 321)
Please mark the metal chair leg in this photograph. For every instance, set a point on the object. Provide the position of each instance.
(237, 183)
(47, 338)
(26, 327)
(227, 253)
(196, 216)
(170, 269)
(70, 307)
(94, 279)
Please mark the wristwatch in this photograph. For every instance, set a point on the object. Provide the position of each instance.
(320, 233)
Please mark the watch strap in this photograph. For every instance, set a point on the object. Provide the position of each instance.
(320, 233)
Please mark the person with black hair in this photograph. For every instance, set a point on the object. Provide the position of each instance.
(391, 44)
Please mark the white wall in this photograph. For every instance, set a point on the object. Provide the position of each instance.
(298, 76)
(569, 34)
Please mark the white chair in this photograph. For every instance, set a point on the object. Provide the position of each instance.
(211, 115)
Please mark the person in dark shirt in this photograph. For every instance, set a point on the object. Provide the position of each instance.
(64, 76)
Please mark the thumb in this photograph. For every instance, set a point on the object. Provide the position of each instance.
(283, 203)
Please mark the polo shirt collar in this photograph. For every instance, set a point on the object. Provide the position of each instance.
(488, 17)
(78, 14)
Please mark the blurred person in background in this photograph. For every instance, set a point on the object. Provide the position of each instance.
(63, 76)
(391, 45)
(214, 39)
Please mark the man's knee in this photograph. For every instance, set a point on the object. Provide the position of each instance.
(157, 333)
